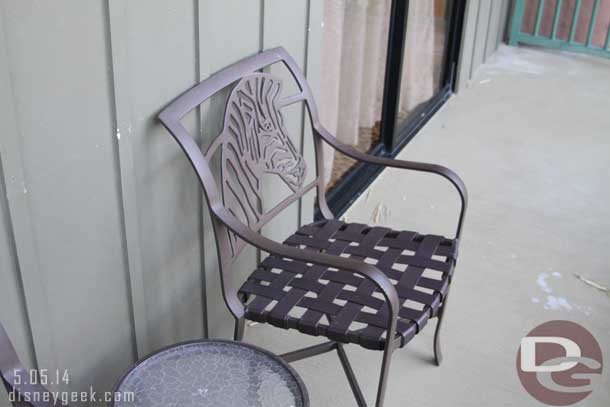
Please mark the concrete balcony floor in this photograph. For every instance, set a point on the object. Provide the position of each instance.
(530, 136)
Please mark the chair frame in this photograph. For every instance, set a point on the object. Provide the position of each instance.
(224, 222)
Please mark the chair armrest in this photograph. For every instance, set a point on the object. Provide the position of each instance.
(446, 173)
(368, 271)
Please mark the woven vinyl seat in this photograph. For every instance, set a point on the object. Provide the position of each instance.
(343, 306)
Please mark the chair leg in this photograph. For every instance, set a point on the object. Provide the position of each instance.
(383, 378)
(238, 333)
(438, 354)
(351, 377)
(325, 347)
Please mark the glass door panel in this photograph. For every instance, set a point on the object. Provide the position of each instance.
(424, 58)
(354, 51)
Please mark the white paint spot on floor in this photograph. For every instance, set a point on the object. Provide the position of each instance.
(585, 309)
(381, 214)
(557, 303)
(541, 281)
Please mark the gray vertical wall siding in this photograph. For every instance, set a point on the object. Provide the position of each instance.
(484, 28)
(159, 62)
(59, 168)
(106, 248)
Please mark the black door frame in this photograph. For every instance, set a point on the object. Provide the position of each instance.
(394, 138)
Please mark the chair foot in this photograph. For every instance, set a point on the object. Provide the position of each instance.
(438, 354)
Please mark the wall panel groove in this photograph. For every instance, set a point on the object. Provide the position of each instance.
(14, 314)
(492, 30)
(118, 23)
(160, 63)
(20, 212)
(240, 25)
(201, 201)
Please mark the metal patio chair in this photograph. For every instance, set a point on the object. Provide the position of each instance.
(18, 380)
(349, 282)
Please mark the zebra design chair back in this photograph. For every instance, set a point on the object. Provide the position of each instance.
(253, 142)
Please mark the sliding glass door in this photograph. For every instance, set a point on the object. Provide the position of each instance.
(387, 65)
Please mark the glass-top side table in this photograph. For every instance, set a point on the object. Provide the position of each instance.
(211, 373)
